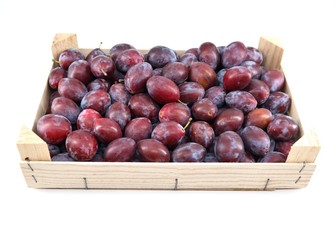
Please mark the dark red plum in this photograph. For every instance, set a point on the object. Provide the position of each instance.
(275, 79)
(175, 71)
(203, 74)
(236, 78)
(106, 130)
(102, 67)
(217, 95)
(87, 118)
(163, 90)
(209, 54)
(273, 157)
(81, 145)
(189, 152)
(256, 141)
(177, 112)
(141, 105)
(159, 56)
(284, 146)
(72, 88)
(119, 93)
(152, 150)
(65, 107)
(254, 68)
(128, 58)
(120, 113)
(118, 48)
(278, 102)
(188, 59)
(230, 119)
(80, 70)
(201, 132)
(138, 129)
(92, 54)
(98, 100)
(259, 117)
(283, 128)
(55, 76)
(120, 150)
(190, 92)
(234, 54)
(259, 89)
(229, 147)
(137, 76)
(53, 128)
(68, 56)
(242, 100)
(253, 54)
(204, 110)
(98, 84)
(169, 133)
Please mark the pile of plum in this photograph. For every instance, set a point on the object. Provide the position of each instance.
(207, 104)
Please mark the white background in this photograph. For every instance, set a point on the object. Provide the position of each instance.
(27, 29)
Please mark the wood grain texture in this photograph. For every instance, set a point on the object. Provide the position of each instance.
(31, 146)
(63, 41)
(306, 149)
(196, 176)
(272, 52)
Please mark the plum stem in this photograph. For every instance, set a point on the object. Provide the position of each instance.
(119, 81)
(188, 123)
(103, 71)
(182, 102)
(55, 61)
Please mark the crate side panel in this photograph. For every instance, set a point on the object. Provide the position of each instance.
(166, 176)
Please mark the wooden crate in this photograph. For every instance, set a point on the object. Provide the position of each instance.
(40, 172)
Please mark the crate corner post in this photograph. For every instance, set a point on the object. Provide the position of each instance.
(31, 147)
(306, 149)
(272, 50)
(63, 41)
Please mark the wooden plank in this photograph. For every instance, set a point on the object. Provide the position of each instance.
(183, 176)
(272, 52)
(32, 147)
(63, 41)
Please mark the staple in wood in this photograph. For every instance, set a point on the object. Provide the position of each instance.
(176, 184)
(34, 178)
(303, 166)
(85, 180)
(297, 180)
(30, 167)
(266, 184)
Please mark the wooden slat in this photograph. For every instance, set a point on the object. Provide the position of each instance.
(272, 52)
(183, 176)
